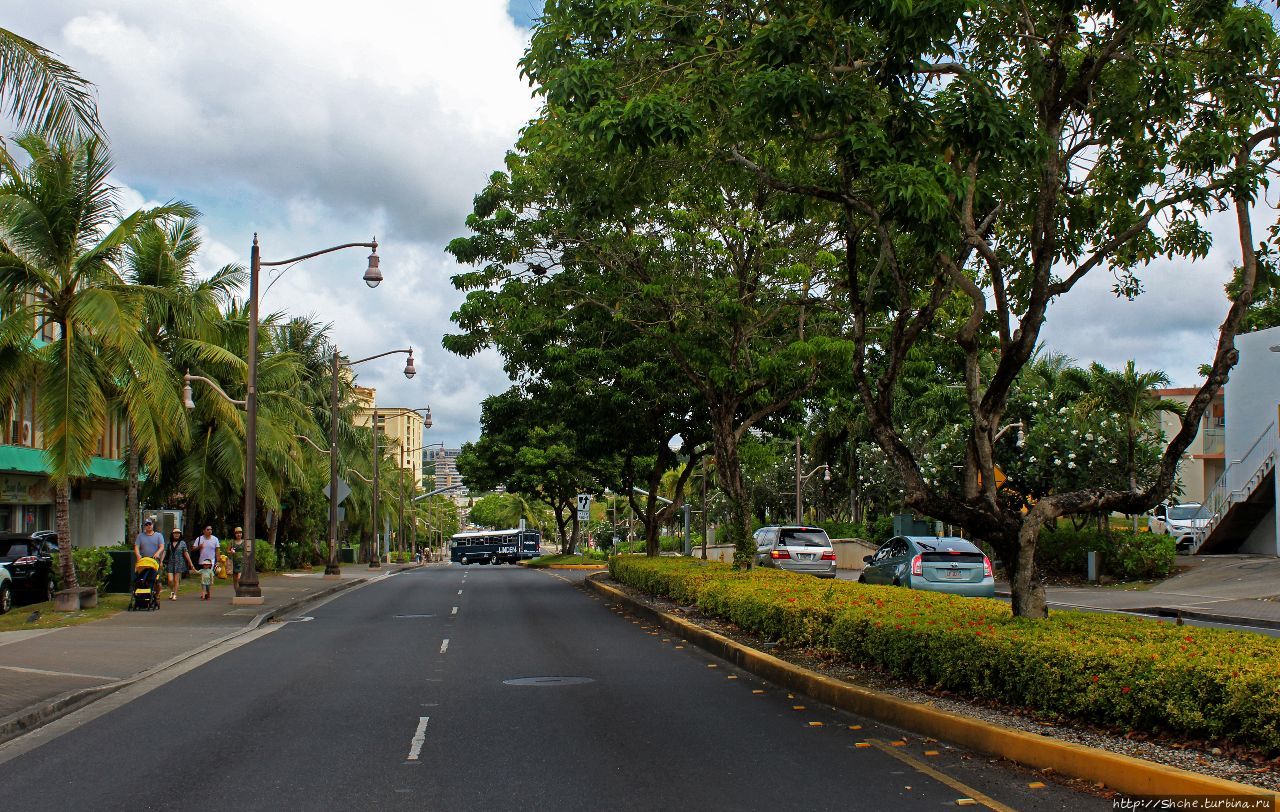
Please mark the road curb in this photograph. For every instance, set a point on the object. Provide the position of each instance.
(1124, 773)
(597, 567)
(35, 716)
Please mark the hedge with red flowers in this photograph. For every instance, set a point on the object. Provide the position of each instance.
(1120, 671)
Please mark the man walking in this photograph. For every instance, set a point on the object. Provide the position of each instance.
(149, 543)
(207, 548)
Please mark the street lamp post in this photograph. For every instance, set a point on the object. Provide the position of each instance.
(800, 480)
(248, 590)
(332, 568)
(375, 560)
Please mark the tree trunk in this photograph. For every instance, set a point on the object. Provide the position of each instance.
(573, 537)
(132, 520)
(737, 525)
(273, 532)
(62, 523)
(1028, 596)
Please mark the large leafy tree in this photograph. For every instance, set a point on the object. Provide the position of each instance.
(61, 237)
(999, 151)
(722, 278)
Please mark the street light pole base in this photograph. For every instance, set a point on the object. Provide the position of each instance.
(336, 576)
(375, 564)
(247, 600)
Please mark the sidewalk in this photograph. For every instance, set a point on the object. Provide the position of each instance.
(1237, 589)
(47, 672)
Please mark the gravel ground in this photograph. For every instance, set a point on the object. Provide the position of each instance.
(1199, 757)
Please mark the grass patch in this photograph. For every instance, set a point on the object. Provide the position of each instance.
(548, 560)
(1119, 671)
(16, 619)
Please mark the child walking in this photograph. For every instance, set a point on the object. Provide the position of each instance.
(206, 579)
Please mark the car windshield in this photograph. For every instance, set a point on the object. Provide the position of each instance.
(13, 549)
(1182, 513)
(805, 538)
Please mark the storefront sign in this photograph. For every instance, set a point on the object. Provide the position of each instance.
(25, 490)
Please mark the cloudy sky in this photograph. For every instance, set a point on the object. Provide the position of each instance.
(314, 124)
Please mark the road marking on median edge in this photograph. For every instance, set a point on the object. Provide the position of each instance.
(455, 611)
(444, 646)
(419, 737)
(969, 792)
(459, 591)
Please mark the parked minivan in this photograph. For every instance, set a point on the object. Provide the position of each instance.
(798, 549)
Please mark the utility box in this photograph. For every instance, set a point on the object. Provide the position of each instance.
(348, 555)
(121, 576)
(904, 524)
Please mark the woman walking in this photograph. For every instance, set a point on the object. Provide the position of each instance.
(177, 561)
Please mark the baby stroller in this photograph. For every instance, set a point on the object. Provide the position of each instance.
(146, 585)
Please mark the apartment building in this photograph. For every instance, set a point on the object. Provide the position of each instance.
(26, 494)
(1204, 460)
(444, 463)
(402, 429)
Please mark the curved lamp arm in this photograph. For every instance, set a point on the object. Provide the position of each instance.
(312, 443)
(823, 467)
(362, 476)
(190, 403)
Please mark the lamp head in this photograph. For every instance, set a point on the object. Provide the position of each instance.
(409, 370)
(372, 274)
(426, 418)
(1022, 438)
(675, 443)
(187, 400)
(826, 474)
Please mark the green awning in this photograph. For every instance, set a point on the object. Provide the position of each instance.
(22, 460)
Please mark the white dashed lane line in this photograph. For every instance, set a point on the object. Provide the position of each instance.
(419, 738)
(459, 591)
(444, 646)
(455, 611)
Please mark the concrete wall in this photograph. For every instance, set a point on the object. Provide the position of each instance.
(849, 552)
(1262, 541)
(97, 519)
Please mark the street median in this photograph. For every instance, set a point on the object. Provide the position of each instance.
(1127, 673)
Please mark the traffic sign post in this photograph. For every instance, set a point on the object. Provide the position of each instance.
(344, 490)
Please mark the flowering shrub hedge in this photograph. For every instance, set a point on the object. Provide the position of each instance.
(1125, 555)
(1114, 670)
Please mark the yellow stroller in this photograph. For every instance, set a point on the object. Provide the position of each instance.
(146, 585)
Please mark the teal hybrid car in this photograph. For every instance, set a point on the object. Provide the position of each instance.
(937, 564)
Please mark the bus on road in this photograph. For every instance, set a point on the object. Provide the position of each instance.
(494, 546)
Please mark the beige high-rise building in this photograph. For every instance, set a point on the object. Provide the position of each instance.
(401, 429)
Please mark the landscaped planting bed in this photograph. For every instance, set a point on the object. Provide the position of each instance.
(1120, 671)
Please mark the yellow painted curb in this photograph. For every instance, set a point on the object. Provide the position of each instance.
(1130, 775)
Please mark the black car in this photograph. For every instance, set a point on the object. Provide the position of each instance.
(29, 558)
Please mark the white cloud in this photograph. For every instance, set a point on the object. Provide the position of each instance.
(314, 124)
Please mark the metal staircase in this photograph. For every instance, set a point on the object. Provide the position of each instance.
(1243, 495)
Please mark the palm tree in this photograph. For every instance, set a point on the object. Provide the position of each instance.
(41, 93)
(180, 314)
(1131, 395)
(60, 236)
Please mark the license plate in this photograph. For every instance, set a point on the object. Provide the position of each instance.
(955, 574)
(806, 556)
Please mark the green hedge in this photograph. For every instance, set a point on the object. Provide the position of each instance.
(1125, 555)
(1115, 670)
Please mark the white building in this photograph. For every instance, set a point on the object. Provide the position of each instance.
(1241, 507)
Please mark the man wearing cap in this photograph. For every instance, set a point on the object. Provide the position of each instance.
(149, 543)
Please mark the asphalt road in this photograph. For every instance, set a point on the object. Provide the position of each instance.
(395, 696)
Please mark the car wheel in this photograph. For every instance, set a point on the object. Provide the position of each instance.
(897, 582)
(862, 579)
(6, 598)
